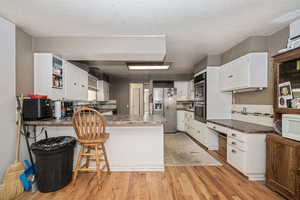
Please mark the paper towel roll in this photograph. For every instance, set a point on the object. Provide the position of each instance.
(57, 109)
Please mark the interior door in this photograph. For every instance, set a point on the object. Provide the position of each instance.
(136, 99)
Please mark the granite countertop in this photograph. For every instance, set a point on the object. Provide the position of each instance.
(186, 109)
(111, 120)
(242, 126)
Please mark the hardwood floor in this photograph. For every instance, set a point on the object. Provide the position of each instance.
(178, 183)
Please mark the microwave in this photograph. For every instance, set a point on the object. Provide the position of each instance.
(291, 126)
(37, 109)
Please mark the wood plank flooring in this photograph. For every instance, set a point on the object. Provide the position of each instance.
(176, 183)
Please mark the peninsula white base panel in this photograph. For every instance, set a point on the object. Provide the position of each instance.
(129, 148)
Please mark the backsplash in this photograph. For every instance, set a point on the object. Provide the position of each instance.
(258, 114)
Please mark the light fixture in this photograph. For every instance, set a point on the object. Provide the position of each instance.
(148, 67)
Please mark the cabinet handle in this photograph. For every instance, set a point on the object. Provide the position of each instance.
(214, 127)
(233, 143)
(82, 85)
(233, 135)
(230, 76)
(233, 151)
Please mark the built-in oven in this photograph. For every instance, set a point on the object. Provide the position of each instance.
(200, 97)
(200, 111)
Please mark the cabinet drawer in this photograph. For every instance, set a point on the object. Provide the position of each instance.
(236, 143)
(236, 158)
(219, 128)
(237, 135)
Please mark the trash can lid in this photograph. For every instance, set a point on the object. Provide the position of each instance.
(53, 143)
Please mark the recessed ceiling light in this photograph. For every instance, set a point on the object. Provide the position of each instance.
(148, 67)
(288, 17)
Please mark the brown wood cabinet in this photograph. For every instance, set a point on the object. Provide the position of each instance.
(283, 166)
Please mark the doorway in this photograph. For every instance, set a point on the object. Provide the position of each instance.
(136, 99)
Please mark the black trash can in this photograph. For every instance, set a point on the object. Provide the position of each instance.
(54, 162)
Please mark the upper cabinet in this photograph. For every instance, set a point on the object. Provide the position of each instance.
(103, 90)
(59, 79)
(185, 90)
(76, 86)
(48, 75)
(249, 72)
(182, 89)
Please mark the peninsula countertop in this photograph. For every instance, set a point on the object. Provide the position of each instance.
(111, 120)
(245, 127)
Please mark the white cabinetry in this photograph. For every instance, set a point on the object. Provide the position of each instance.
(103, 90)
(218, 103)
(185, 90)
(245, 151)
(249, 72)
(182, 89)
(48, 76)
(181, 120)
(76, 82)
(188, 120)
(191, 90)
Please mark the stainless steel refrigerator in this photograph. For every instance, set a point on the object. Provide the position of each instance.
(164, 103)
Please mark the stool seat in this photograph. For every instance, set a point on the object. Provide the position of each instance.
(89, 126)
(95, 140)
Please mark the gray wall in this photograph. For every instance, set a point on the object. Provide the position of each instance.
(252, 44)
(271, 44)
(119, 87)
(8, 51)
(24, 63)
(210, 60)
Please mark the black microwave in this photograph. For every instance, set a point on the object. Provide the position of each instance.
(37, 109)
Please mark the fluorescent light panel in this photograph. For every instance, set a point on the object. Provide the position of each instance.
(148, 67)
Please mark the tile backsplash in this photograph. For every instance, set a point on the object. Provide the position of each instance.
(258, 114)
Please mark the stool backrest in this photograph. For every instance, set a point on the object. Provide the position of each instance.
(88, 123)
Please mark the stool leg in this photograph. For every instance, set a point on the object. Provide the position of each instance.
(98, 167)
(77, 165)
(105, 158)
(87, 164)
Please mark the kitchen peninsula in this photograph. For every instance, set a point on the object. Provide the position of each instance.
(136, 143)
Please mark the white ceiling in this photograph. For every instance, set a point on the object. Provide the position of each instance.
(194, 28)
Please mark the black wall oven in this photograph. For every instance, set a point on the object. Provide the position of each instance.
(200, 97)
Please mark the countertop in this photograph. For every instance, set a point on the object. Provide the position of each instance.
(111, 120)
(242, 126)
(186, 109)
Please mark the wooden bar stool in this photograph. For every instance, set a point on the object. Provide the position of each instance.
(89, 126)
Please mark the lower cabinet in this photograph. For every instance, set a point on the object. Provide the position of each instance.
(181, 120)
(247, 153)
(283, 166)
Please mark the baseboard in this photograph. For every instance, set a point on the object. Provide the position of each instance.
(256, 177)
(133, 168)
(136, 168)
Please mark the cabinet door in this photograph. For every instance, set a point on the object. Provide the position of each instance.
(83, 84)
(106, 91)
(281, 166)
(237, 158)
(71, 81)
(180, 120)
(240, 73)
(226, 76)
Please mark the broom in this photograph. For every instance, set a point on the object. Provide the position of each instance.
(12, 184)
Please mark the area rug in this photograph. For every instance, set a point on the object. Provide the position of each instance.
(180, 150)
